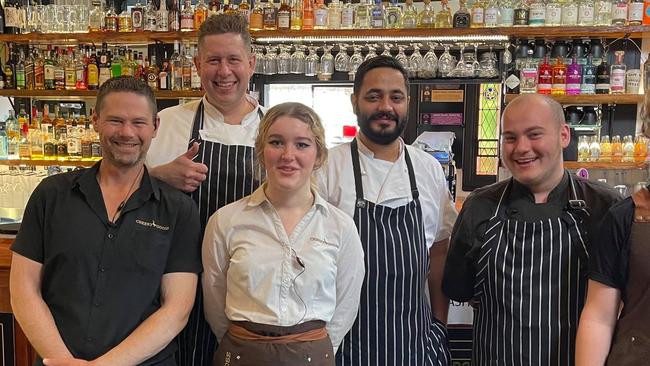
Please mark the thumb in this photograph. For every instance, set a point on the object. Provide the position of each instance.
(192, 151)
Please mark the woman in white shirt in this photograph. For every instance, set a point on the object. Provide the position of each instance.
(283, 268)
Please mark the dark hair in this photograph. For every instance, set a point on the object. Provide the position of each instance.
(126, 84)
(377, 62)
(226, 23)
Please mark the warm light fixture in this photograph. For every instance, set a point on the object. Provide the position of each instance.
(379, 39)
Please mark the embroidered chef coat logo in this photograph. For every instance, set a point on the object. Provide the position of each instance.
(152, 224)
(321, 241)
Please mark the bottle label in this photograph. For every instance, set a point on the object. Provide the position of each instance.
(12, 17)
(507, 16)
(585, 14)
(284, 19)
(521, 17)
(569, 15)
(477, 16)
(553, 14)
(320, 17)
(347, 17)
(512, 81)
(619, 11)
(187, 22)
(270, 17)
(136, 18)
(491, 16)
(537, 14)
(163, 80)
(617, 81)
(635, 12)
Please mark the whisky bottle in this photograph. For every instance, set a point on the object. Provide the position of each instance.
(59, 71)
(29, 71)
(39, 70)
(187, 17)
(284, 15)
(461, 16)
(244, 10)
(48, 69)
(257, 17)
(70, 71)
(93, 70)
(270, 16)
(602, 77)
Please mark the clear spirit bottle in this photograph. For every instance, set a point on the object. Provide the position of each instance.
(602, 12)
(635, 12)
(588, 85)
(443, 18)
(377, 15)
(426, 18)
(347, 15)
(553, 13)
(617, 72)
(334, 15)
(586, 12)
(477, 13)
(537, 15)
(506, 13)
(96, 17)
(320, 15)
(569, 13)
(491, 14)
(393, 15)
(410, 15)
(362, 20)
(619, 12)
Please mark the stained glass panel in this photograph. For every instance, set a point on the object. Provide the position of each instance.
(488, 130)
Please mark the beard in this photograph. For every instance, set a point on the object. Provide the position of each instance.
(385, 136)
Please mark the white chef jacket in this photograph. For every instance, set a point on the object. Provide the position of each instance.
(251, 271)
(387, 183)
(175, 130)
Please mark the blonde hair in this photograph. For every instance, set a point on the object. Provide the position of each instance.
(298, 111)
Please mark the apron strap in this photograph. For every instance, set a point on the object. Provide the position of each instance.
(197, 124)
(409, 166)
(356, 169)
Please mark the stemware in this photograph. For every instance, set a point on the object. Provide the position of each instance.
(298, 60)
(429, 64)
(259, 56)
(326, 68)
(355, 60)
(271, 61)
(371, 52)
(284, 60)
(311, 62)
(342, 60)
(404, 61)
(445, 62)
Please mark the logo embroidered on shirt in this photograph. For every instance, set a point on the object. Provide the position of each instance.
(321, 241)
(152, 224)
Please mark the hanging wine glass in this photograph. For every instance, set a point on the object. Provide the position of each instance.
(298, 60)
(387, 47)
(259, 59)
(507, 56)
(371, 52)
(415, 62)
(326, 64)
(429, 64)
(404, 61)
(476, 66)
(342, 60)
(355, 60)
(311, 62)
(284, 60)
(445, 62)
(270, 61)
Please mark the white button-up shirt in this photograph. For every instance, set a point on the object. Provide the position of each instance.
(387, 183)
(252, 270)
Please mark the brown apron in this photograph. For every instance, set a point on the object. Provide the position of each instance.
(253, 344)
(631, 343)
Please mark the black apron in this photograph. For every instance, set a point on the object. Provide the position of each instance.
(395, 325)
(233, 174)
(530, 287)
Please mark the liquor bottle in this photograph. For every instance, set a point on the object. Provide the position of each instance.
(573, 77)
(162, 17)
(586, 12)
(553, 13)
(24, 147)
(320, 15)
(244, 9)
(491, 14)
(477, 14)
(308, 14)
(116, 63)
(13, 133)
(213, 7)
(410, 16)
(506, 13)
(187, 69)
(522, 13)
(461, 16)
(81, 69)
(164, 75)
(39, 70)
(635, 12)
(201, 13)
(393, 15)
(545, 77)
(537, 13)
(187, 17)
(151, 73)
(96, 17)
(229, 8)
(602, 12)
(59, 70)
(174, 17)
(296, 15)
(124, 20)
(602, 77)
(74, 142)
(588, 85)
(334, 15)
(377, 15)
(270, 16)
(528, 75)
(257, 17)
(104, 65)
(29, 71)
(605, 150)
(347, 15)
(110, 19)
(362, 20)
(619, 12)
(558, 86)
(4, 140)
(426, 18)
(12, 18)
(569, 13)
(195, 79)
(443, 18)
(176, 68)
(617, 72)
(284, 16)
(20, 71)
(69, 70)
(86, 143)
(150, 17)
(48, 69)
(93, 70)
(137, 17)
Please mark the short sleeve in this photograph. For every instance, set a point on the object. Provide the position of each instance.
(608, 261)
(30, 242)
(185, 252)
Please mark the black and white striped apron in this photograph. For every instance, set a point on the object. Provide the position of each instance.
(530, 286)
(232, 175)
(395, 325)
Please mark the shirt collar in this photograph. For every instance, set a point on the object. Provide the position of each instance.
(87, 183)
(367, 152)
(259, 197)
(559, 194)
(213, 112)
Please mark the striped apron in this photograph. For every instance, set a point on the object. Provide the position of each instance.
(395, 325)
(231, 176)
(530, 287)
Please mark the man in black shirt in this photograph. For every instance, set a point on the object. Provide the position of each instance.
(619, 275)
(105, 264)
(519, 247)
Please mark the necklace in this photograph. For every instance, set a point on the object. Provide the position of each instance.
(120, 207)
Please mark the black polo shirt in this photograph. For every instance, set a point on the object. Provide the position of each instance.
(101, 280)
(468, 233)
(609, 261)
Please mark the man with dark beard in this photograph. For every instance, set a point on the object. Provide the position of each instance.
(404, 217)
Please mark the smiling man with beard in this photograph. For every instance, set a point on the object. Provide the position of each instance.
(403, 211)
(205, 147)
(519, 248)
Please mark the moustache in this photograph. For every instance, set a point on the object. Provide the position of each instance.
(383, 115)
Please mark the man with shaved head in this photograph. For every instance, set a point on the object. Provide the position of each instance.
(519, 248)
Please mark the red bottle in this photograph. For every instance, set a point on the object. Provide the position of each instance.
(544, 77)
